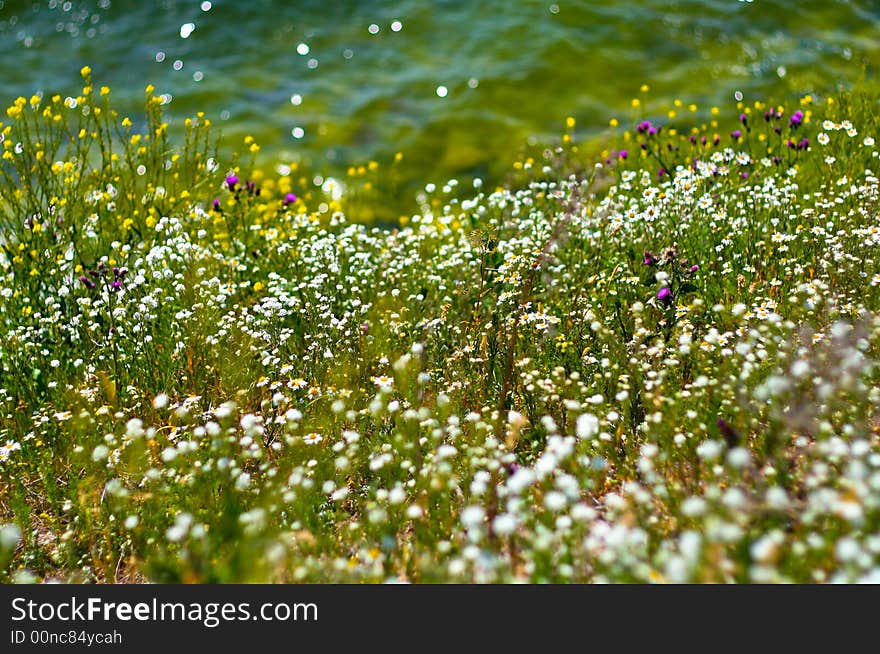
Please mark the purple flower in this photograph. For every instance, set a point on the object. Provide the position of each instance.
(661, 172)
(650, 259)
(743, 119)
(745, 174)
(290, 198)
(643, 126)
(623, 154)
(694, 268)
(796, 118)
(804, 144)
(665, 295)
(216, 205)
(736, 134)
(88, 283)
(232, 182)
(116, 285)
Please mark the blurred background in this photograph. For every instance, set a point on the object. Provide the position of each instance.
(458, 86)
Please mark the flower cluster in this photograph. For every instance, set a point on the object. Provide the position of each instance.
(595, 374)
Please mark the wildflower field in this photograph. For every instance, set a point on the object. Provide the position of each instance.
(656, 363)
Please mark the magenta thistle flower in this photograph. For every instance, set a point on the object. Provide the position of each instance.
(796, 118)
(232, 182)
(664, 295)
(216, 204)
(290, 198)
(623, 154)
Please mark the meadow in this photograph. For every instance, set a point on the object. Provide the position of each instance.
(655, 361)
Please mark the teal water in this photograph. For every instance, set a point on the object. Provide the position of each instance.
(512, 69)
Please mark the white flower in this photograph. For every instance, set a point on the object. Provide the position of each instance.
(504, 524)
(134, 428)
(587, 426)
(520, 480)
(472, 516)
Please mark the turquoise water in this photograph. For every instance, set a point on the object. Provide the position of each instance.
(332, 83)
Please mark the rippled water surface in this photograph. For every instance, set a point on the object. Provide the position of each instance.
(457, 85)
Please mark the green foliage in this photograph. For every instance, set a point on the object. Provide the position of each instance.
(595, 374)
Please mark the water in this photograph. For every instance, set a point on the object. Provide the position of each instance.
(458, 86)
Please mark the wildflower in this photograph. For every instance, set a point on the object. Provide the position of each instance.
(290, 198)
(8, 448)
(665, 295)
(587, 426)
(623, 154)
(796, 119)
(232, 182)
(383, 381)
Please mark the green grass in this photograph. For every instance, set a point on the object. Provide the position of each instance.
(499, 389)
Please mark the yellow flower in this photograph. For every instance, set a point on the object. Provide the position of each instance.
(85, 71)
